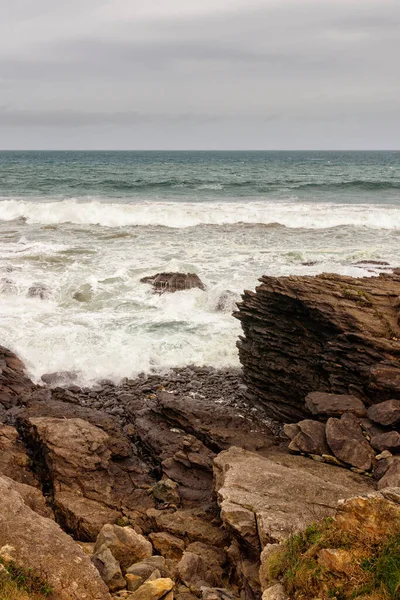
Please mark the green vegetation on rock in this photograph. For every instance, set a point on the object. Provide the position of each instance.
(21, 584)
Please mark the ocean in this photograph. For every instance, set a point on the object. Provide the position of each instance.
(88, 225)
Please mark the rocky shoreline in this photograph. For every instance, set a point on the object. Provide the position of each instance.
(177, 485)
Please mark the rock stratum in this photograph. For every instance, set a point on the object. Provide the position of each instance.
(328, 333)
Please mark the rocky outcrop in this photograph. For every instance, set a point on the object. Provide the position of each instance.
(35, 542)
(13, 381)
(328, 333)
(173, 282)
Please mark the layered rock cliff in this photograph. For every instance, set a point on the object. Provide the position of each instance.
(327, 333)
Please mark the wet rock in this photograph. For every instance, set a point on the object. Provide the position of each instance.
(39, 290)
(7, 286)
(347, 442)
(328, 333)
(36, 542)
(334, 405)
(125, 544)
(84, 294)
(385, 413)
(386, 441)
(14, 384)
(310, 439)
(173, 282)
(59, 378)
(227, 301)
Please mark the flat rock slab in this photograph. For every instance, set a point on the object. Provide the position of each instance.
(265, 500)
(386, 413)
(334, 405)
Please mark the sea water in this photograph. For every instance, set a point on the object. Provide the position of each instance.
(88, 225)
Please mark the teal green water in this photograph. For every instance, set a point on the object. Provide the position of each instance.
(88, 225)
(323, 176)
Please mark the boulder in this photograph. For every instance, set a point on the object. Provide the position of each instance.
(275, 592)
(59, 378)
(265, 499)
(391, 478)
(192, 526)
(334, 405)
(109, 569)
(195, 572)
(35, 542)
(84, 517)
(385, 413)
(348, 443)
(389, 440)
(125, 544)
(167, 545)
(153, 590)
(328, 333)
(173, 282)
(310, 439)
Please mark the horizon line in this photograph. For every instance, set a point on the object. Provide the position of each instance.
(199, 150)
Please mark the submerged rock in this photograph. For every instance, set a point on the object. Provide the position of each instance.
(39, 290)
(173, 282)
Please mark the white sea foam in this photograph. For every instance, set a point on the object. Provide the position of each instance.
(190, 214)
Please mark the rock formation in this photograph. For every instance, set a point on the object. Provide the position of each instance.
(173, 282)
(327, 333)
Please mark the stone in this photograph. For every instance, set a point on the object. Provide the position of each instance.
(391, 478)
(14, 384)
(84, 517)
(329, 333)
(59, 378)
(311, 438)
(217, 594)
(370, 514)
(392, 494)
(14, 460)
(109, 569)
(192, 526)
(195, 573)
(281, 493)
(173, 282)
(36, 542)
(385, 413)
(291, 430)
(334, 405)
(167, 545)
(125, 544)
(146, 567)
(267, 551)
(153, 590)
(39, 290)
(133, 582)
(275, 592)
(386, 441)
(347, 442)
(166, 490)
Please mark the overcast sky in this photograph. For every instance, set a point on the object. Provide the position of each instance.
(207, 74)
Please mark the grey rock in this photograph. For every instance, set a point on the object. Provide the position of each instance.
(109, 569)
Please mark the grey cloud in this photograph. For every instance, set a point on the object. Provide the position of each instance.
(226, 64)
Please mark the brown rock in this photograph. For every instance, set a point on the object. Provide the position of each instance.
(328, 333)
(167, 545)
(133, 582)
(366, 513)
(37, 543)
(311, 438)
(125, 544)
(153, 590)
(385, 413)
(84, 517)
(173, 282)
(109, 569)
(14, 461)
(195, 573)
(14, 384)
(334, 405)
(347, 442)
(166, 490)
(391, 478)
(275, 592)
(386, 441)
(188, 524)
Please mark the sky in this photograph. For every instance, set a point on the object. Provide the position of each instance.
(200, 74)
